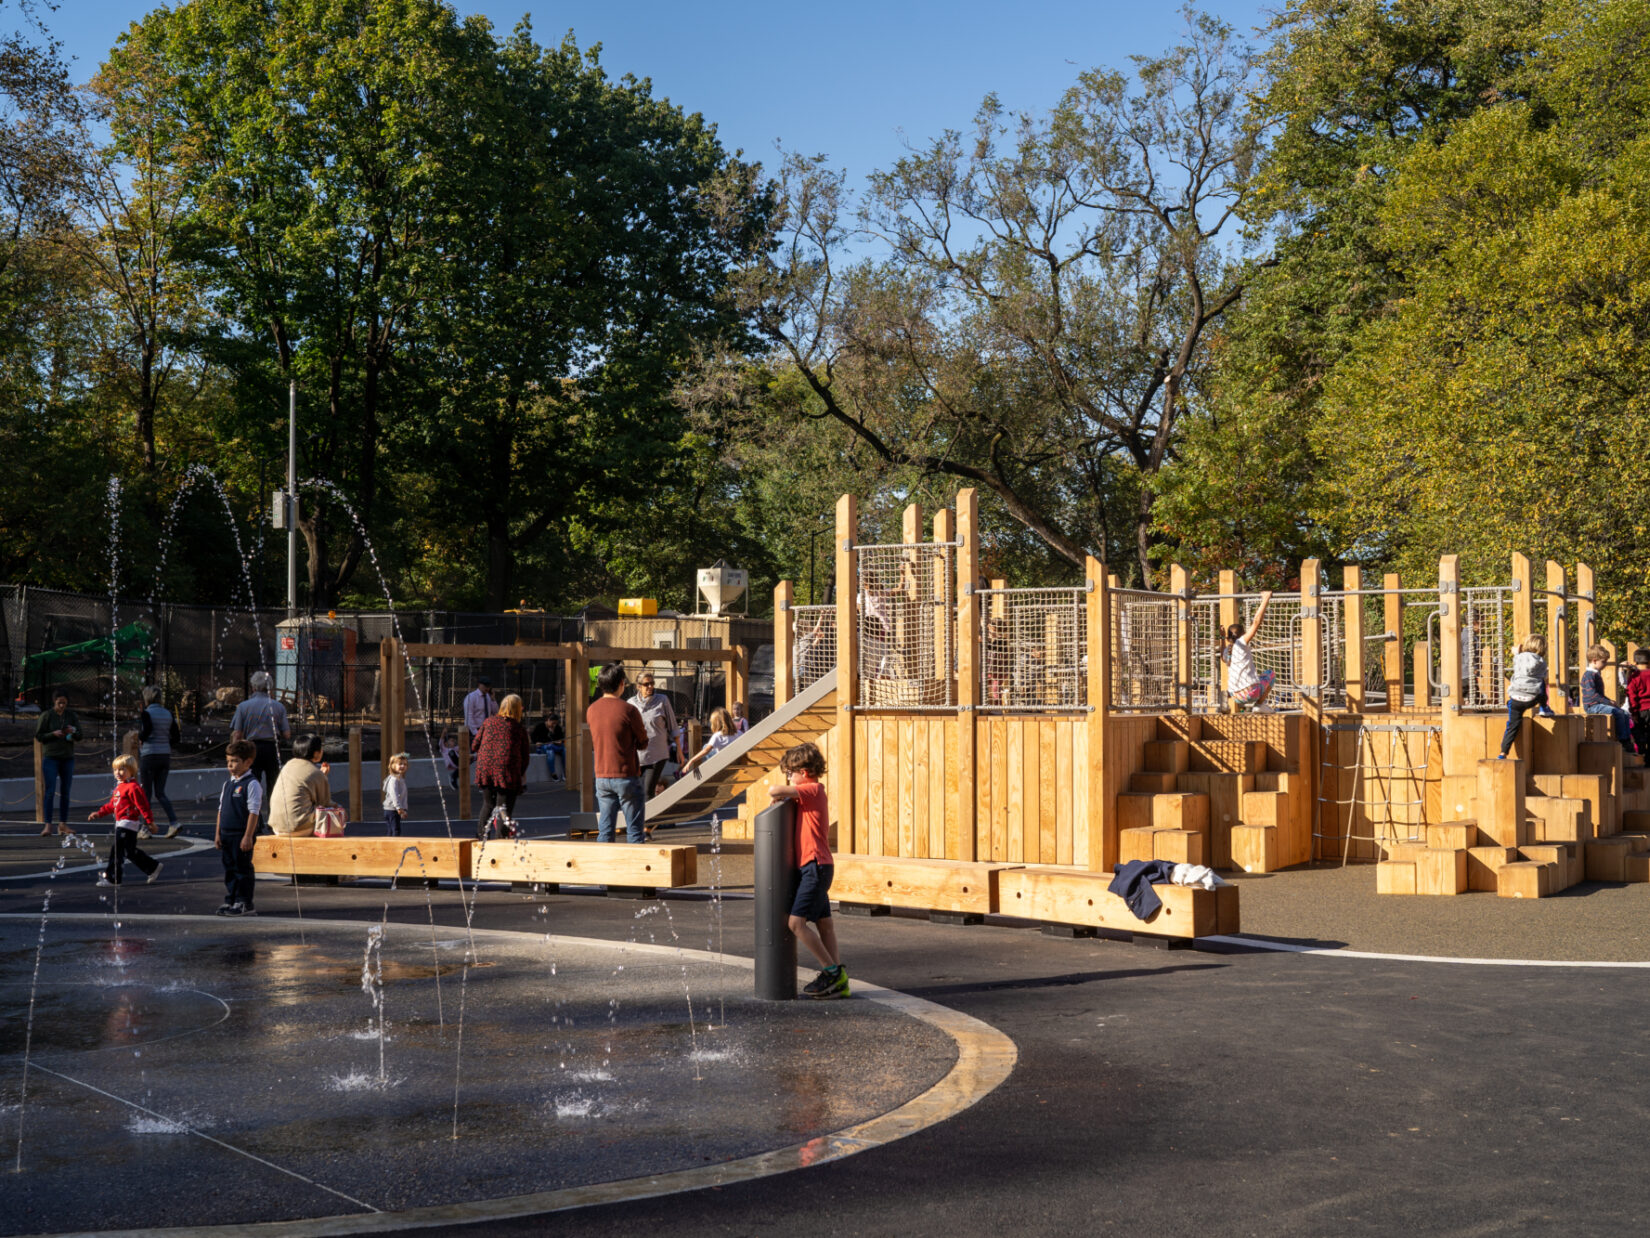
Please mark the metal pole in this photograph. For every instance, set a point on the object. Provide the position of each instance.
(775, 854)
(292, 500)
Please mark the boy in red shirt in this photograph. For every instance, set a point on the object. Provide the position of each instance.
(1638, 702)
(811, 904)
(131, 812)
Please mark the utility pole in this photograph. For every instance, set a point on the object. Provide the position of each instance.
(292, 501)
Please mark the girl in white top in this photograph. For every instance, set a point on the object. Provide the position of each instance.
(395, 795)
(1244, 684)
(721, 735)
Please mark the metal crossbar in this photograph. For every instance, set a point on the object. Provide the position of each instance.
(1033, 644)
(813, 645)
(906, 611)
(1143, 650)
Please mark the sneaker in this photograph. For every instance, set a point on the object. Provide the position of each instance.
(144, 833)
(244, 910)
(172, 831)
(103, 880)
(229, 909)
(820, 985)
(839, 984)
(153, 875)
(1545, 713)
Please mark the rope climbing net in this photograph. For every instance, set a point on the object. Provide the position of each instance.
(813, 650)
(1143, 650)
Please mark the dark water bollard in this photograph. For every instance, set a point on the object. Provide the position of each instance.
(775, 867)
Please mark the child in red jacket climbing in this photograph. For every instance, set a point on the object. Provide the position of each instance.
(1638, 700)
(130, 809)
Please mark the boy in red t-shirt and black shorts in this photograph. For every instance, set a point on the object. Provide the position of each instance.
(811, 902)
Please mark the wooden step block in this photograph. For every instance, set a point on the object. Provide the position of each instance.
(1458, 796)
(1185, 727)
(1151, 784)
(1603, 759)
(1595, 789)
(1637, 867)
(1596, 728)
(1560, 855)
(1392, 877)
(1265, 808)
(1524, 879)
(1441, 872)
(1635, 822)
(934, 885)
(1632, 760)
(1255, 848)
(1167, 756)
(1555, 740)
(1177, 846)
(1061, 896)
(1607, 859)
(1136, 844)
(1225, 792)
(1134, 810)
(1400, 852)
(1229, 756)
(1633, 779)
(1295, 838)
(1455, 836)
(1484, 865)
(1636, 840)
(1501, 816)
(1181, 810)
(1559, 819)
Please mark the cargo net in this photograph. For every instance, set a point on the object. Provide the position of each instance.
(1332, 667)
(813, 647)
(1033, 646)
(907, 626)
(1143, 650)
(1486, 647)
(1372, 787)
(1208, 671)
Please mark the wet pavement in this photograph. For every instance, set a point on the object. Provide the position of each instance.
(207, 1071)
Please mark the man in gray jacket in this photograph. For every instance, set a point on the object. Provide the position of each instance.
(660, 720)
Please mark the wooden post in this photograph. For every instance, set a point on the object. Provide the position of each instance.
(464, 738)
(1423, 676)
(1392, 652)
(1228, 616)
(355, 813)
(39, 784)
(1523, 601)
(1102, 772)
(1612, 682)
(1586, 632)
(570, 748)
(1179, 585)
(945, 631)
(850, 830)
(784, 643)
(967, 844)
(734, 677)
(1558, 639)
(1450, 677)
(587, 761)
(1352, 608)
(389, 679)
(1310, 681)
(578, 702)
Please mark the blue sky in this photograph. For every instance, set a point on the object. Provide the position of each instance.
(846, 79)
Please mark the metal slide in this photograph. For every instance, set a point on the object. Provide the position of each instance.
(750, 757)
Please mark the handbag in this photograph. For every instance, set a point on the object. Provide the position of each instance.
(329, 821)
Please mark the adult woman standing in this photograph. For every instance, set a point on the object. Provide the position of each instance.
(500, 748)
(660, 720)
(57, 732)
(157, 732)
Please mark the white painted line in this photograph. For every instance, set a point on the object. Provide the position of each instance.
(195, 846)
(1257, 943)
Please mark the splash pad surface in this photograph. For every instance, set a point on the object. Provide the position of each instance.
(190, 1071)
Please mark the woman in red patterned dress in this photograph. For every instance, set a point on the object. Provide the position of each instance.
(501, 750)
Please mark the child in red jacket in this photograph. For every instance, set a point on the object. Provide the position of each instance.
(130, 808)
(1638, 701)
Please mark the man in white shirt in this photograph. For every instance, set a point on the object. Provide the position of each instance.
(479, 705)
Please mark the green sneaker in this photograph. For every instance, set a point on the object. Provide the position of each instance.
(820, 985)
(839, 984)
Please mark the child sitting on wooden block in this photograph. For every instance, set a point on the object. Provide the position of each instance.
(1594, 701)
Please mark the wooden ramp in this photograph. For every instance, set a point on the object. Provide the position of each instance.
(755, 754)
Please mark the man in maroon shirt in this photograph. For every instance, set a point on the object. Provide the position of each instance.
(617, 735)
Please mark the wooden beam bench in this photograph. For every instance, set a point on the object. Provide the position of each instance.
(618, 866)
(1064, 896)
(945, 888)
(420, 859)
